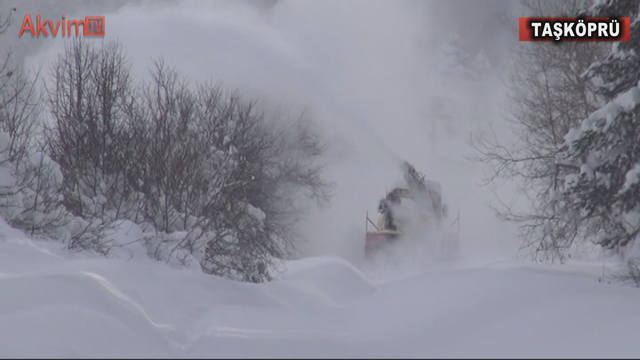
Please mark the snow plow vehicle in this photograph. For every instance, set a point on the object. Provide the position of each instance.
(413, 213)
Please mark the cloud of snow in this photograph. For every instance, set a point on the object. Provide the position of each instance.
(376, 74)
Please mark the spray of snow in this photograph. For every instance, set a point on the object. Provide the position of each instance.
(372, 79)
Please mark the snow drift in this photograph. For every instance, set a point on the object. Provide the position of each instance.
(53, 304)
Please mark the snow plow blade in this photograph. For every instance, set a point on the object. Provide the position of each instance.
(376, 242)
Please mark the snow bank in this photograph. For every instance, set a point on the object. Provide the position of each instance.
(73, 315)
(326, 281)
(507, 313)
(55, 304)
(128, 240)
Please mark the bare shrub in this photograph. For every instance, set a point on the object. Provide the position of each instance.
(630, 274)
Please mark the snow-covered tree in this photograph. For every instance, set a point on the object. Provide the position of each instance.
(220, 169)
(30, 181)
(606, 147)
(621, 69)
(90, 96)
(548, 96)
(207, 173)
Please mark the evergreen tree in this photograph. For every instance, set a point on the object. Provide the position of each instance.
(621, 70)
(605, 147)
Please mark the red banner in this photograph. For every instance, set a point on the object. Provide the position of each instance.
(575, 29)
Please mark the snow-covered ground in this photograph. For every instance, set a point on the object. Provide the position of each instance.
(56, 304)
(374, 82)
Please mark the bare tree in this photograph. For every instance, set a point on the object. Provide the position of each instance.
(90, 97)
(279, 164)
(30, 180)
(548, 96)
(90, 100)
(215, 176)
(216, 166)
(295, 168)
(629, 274)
